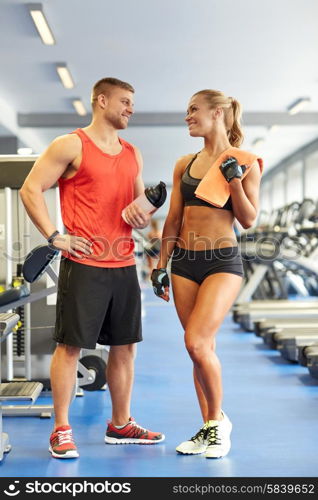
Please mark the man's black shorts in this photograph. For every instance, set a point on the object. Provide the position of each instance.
(97, 304)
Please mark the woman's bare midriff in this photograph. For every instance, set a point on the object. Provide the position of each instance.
(205, 228)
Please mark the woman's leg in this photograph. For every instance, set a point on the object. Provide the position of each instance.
(214, 299)
(185, 294)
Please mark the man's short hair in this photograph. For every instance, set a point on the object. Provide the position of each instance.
(105, 86)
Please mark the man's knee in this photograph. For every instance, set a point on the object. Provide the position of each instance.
(68, 351)
(122, 352)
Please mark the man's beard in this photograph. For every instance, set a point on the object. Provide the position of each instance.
(118, 123)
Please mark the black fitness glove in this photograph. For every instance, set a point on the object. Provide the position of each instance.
(231, 169)
(160, 281)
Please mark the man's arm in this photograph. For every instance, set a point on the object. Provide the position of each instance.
(48, 168)
(139, 183)
(134, 215)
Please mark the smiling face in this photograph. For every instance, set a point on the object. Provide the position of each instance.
(201, 119)
(117, 107)
(120, 107)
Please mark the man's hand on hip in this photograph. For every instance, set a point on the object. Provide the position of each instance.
(73, 245)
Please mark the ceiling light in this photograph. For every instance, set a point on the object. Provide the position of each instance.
(65, 75)
(41, 24)
(79, 107)
(298, 105)
(258, 142)
(25, 151)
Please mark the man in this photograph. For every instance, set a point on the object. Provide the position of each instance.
(99, 174)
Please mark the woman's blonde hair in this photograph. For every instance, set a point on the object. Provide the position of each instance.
(232, 113)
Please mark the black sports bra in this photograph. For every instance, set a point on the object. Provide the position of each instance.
(189, 185)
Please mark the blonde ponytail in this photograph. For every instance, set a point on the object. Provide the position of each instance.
(235, 133)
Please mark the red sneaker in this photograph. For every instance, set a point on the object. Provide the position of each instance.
(62, 444)
(132, 434)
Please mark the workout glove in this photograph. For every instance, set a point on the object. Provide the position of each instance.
(160, 280)
(231, 169)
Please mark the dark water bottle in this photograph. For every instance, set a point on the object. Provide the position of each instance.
(156, 195)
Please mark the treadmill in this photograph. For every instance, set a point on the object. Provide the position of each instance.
(288, 344)
(297, 228)
(273, 336)
(308, 356)
(249, 320)
(263, 324)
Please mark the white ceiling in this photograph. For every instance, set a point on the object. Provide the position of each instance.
(262, 53)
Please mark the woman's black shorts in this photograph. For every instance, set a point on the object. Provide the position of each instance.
(97, 305)
(197, 265)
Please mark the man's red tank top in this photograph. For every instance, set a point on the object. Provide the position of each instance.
(93, 199)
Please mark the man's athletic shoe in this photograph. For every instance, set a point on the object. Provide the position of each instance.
(196, 445)
(131, 433)
(218, 437)
(62, 444)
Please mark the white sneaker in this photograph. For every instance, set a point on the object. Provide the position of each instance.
(196, 445)
(218, 437)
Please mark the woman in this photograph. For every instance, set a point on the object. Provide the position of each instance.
(206, 265)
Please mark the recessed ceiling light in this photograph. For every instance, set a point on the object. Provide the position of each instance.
(298, 105)
(65, 75)
(79, 107)
(41, 24)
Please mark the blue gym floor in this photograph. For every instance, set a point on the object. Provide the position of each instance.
(273, 406)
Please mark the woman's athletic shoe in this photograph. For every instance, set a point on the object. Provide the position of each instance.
(131, 433)
(62, 444)
(218, 437)
(196, 445)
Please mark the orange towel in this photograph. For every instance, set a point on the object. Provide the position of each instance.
(214, 188)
